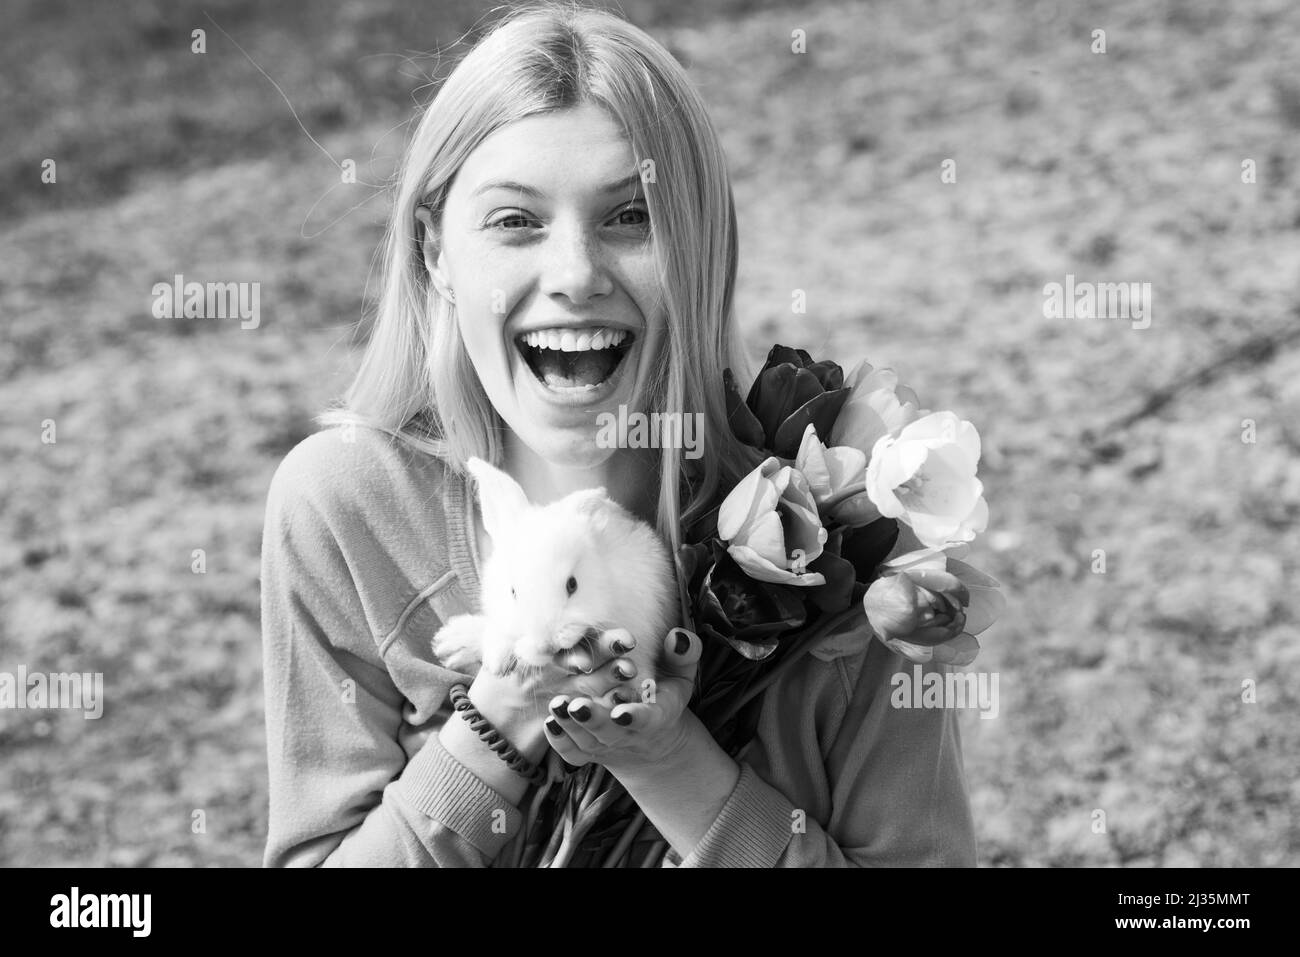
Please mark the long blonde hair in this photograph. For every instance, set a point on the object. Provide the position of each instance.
(416, 381)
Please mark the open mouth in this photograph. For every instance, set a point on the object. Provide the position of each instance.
(574, 360)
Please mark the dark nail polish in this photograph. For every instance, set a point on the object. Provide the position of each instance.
(623, 718)
(553, 726)
(621, 647)
(616, 699)
(620, 674)
(581, 713)
(561, 710)
(683, 644)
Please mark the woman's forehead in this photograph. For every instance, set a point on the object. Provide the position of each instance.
(578, 149)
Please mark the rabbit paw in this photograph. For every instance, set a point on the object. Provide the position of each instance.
(458, 644)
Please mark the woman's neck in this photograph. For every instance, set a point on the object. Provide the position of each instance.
(630, 476)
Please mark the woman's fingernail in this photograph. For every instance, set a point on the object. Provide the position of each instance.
(581, 713)
(553, 726)
(617, 698)
(683, 644)
(621, 647)
(561, 710)
(623, 718)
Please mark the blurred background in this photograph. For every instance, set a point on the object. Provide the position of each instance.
(1169, 158)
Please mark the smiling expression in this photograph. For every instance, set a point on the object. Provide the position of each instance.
(545, 240)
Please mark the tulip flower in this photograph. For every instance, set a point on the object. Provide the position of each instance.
(771, 526)
(925, 478)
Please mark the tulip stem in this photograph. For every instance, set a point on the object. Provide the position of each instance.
(844, 496)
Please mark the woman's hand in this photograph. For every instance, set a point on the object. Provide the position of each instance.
(516, 703)
(629, 728)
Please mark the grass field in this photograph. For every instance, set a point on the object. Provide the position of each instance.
(1122, 690)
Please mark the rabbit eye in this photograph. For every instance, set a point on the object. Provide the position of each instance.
(512, 592)
(571, 585)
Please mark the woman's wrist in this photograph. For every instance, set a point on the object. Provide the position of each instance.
(463, 744)
(683, 794)
(518, 724)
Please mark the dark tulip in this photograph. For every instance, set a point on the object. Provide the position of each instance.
(748, 614)
(791, 391)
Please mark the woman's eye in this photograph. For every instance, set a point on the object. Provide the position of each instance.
(513, 221)
(634, 216)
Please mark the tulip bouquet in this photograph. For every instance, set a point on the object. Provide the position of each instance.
(853, 526)
(851, 529)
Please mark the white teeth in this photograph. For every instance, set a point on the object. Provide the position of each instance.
(574, 340)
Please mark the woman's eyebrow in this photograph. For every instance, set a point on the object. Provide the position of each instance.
(534, 193)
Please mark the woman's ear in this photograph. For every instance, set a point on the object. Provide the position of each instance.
(434, 261)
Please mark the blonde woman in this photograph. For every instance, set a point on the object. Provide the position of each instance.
(566, 181)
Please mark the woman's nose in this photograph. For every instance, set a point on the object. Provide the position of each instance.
(574, 265)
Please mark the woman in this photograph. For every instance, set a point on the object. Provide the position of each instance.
(565, 188)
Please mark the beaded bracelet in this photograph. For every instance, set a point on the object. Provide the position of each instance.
(535, 773)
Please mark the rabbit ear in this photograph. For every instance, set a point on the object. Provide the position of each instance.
(594, 504)
(589, 500)
(500, 496)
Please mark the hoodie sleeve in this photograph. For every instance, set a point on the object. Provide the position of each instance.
(885, 788)
(342, 790)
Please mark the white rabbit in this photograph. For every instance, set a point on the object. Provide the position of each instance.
(557, 571)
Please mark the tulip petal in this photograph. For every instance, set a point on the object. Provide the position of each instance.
(968, 440)
(766, 536)
(919, 558)
(742, 421)
(909, 651)
(829, 374)
(942, 582)
(937, 427)
(907, 397)
(821, 410)
(846, 465)
(959, 652)
(760, 569)
(987, 602)
(739, 502)
(837, 592)
(753, 650)
(811, 462)
(857, 373)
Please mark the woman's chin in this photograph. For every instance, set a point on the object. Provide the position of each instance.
(566, 448)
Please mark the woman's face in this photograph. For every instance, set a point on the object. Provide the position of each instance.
(545, 241)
